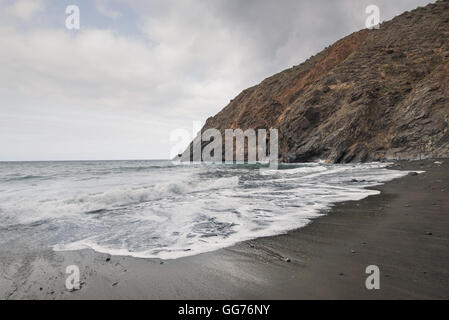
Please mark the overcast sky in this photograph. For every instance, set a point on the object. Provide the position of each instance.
(136, 70)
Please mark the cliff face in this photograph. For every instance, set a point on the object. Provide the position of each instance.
(376, 94)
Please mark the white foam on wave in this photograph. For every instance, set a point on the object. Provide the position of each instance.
(174, 212)
(34, 208)
(303, 170)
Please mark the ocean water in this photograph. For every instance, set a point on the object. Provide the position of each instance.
(156, 209)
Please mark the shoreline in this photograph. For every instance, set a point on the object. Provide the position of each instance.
(404, 230)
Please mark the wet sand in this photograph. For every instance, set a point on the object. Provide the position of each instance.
(404, 231)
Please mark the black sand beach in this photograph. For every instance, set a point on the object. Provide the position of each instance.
(404, 231)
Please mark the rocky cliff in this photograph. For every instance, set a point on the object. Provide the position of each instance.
(376, 94)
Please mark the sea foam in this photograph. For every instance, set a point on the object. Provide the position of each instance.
(152, 209)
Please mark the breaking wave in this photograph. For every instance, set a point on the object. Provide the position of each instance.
(154, 209)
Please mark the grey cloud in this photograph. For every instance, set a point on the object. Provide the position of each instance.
(192, 57)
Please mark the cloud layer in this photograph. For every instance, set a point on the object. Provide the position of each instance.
(138, 69)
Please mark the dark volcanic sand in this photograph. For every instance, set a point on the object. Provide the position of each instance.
(404, 231)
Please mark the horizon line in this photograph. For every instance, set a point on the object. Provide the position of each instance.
(81, 160)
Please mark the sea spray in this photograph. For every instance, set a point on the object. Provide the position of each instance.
(153, 209)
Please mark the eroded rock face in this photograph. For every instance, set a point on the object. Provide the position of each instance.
(376, 94)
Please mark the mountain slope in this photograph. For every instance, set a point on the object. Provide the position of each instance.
(374, 94)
